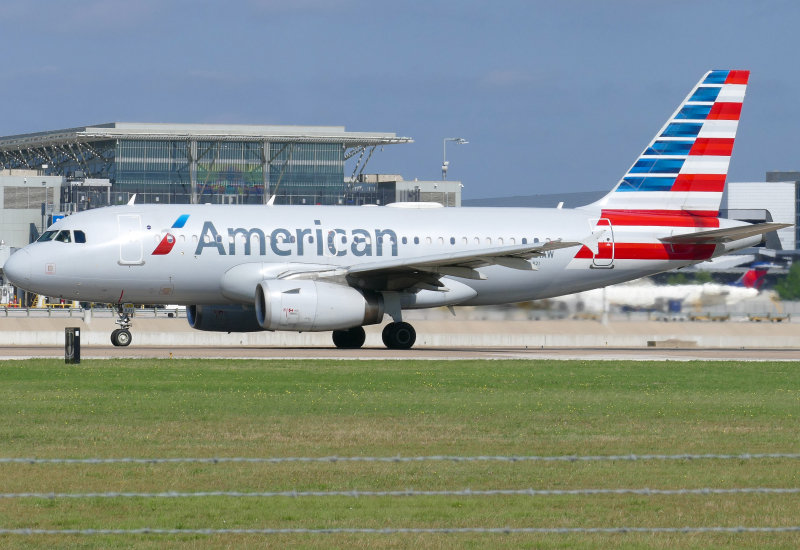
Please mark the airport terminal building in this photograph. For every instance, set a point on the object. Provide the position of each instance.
(196, 163)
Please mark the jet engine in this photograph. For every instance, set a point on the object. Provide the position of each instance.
(305, 305)
(234, 318)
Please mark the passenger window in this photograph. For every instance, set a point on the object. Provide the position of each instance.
(158, 238)
(80, 237)
(416, 240)
(524, 240)
(64, 237)
(405, 241)
(512, 240)
(535, 241)
(500, 240)
(452, 240)
(488, 240)
(428, 240)
(47, 236)
(477, 240)
(441, 240)
(464, 240)
(194, 239)
(182, 238)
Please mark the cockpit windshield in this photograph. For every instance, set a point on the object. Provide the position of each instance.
(47, 236)
(64, 237)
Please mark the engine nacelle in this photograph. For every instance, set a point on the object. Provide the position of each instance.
(223, 318)
(304, 306)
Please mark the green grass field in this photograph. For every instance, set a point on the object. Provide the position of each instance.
(207, 408)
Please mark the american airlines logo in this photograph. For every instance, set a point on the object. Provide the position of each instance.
(166, 244)
(301, 242)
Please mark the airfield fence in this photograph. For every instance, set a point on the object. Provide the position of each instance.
(398, 458)
(407, 493)
(98, 312)
(415, 493)
(404, 530)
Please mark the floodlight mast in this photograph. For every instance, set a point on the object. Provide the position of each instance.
(445, 164)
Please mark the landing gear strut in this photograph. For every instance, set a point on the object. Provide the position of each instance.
(122, 336)
(352, 338)
(399, 336)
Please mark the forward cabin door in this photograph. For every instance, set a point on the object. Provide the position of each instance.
(605, 244)
(130, 239)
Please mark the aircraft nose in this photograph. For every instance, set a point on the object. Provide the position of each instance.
(17, 269)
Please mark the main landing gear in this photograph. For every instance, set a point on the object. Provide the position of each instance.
(399, 336)
(122, 336)
(352, 338)
(395, 336)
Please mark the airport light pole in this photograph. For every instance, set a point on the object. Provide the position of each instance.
(445, 164)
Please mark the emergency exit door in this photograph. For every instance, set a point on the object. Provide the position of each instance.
(604, 258)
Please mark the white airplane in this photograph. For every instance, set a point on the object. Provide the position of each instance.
(332, 268)
(646, 294)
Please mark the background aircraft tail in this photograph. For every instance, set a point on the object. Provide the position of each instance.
(683, 169)
(754, 277)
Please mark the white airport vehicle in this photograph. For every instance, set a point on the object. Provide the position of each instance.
(245, 268)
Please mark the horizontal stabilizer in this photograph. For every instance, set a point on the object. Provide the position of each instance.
(726, 235)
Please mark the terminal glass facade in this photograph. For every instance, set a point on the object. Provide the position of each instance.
(307, 173)
(230, 172)
(148, 166)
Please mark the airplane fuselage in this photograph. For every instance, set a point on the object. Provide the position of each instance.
(178, 254)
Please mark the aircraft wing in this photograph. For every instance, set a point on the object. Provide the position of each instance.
(425, 271)
(724, 235)
(462, 264)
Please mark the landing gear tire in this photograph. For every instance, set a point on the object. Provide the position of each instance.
(399, 336)
(385, 335)
(352, 338)
(121, 337)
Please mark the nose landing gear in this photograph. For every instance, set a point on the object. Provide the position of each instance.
(399, 336)
(122, 336)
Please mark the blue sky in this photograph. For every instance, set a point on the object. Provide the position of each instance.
(552, 96)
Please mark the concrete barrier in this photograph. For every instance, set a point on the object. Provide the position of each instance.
(431, 333)
(323, 339)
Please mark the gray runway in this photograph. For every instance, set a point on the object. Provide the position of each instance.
(421, 353)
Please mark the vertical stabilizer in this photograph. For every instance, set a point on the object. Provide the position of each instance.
(684, 167)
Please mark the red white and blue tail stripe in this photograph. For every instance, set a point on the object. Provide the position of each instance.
(682, 172)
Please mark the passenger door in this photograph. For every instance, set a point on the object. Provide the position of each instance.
(130, 239)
